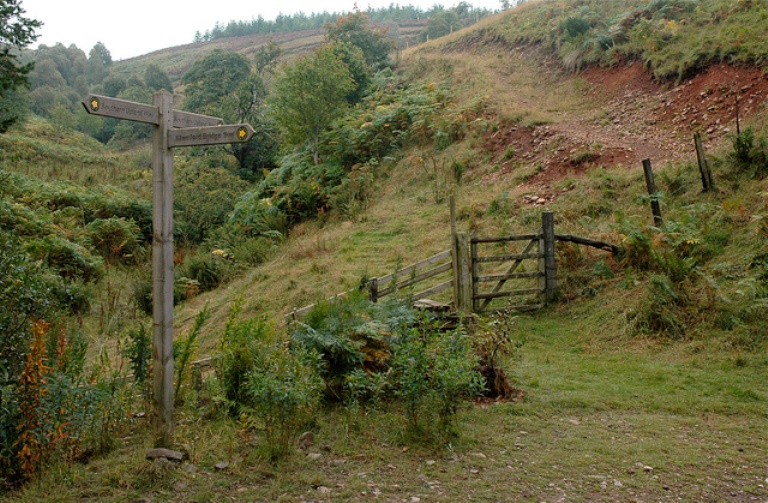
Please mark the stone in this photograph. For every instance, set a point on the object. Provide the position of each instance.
(221, 466)
(166, 454)
(306, 440)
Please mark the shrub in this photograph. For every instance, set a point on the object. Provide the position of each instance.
(139, 353)
(56, 412)
(283, 391)
(68, 259)
(196, 217)
(352, 334)
(278, 389)
(116, 239)
(750, 152)
(238, 352)
(433, 374)
(207, 270)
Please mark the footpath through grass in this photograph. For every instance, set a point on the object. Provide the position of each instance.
(615, 420)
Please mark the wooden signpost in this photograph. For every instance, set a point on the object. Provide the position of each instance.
(172, 128)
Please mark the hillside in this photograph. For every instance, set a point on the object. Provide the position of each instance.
(644, 381)
(176, 61)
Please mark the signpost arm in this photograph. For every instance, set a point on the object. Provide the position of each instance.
(162, 272)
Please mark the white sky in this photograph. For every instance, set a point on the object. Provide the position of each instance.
(134, 28)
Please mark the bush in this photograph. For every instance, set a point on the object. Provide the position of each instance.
(283, 391)
(433, 374)
(68, 259)
(52, 411)
(750, 152)
(238, 352)
(207, 270)
(28, 292)
(196, 217)
(370, 349)
(116, 239)
(278, 389)
(352, 334)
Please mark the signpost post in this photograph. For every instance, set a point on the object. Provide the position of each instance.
(172, 128)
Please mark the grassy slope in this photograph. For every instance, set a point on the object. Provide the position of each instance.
(601, 405)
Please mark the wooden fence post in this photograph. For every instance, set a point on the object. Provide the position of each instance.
(548, 264)
(373, 287)
(651, 184)
(463, 276)
(462, 279)
(704, 169)
(470, 271)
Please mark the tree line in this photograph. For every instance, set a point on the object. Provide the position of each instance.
(301, 21)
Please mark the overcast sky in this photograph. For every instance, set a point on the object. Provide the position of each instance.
(138, 27)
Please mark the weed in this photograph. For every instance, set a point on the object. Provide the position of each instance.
(184, 349)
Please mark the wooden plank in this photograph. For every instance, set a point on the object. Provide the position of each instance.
(434, 290)
(589, 242)
(122, 109)
(475, 272)
(417, 279)
(445, 255)
(203, 363)
(188, 119)
(507, 258)
(704, 169)
(297, 313)
(506, 277)
(521, 237)
(432, 305)
(116, 108)
(496, 295)
(211, 135)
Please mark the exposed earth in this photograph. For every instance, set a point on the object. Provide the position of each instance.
(637, 118)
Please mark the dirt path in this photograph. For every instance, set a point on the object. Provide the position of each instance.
(634, 118)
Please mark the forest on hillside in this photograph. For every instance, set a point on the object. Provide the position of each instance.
(442, 21)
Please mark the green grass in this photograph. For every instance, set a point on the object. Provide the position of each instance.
(594, 417)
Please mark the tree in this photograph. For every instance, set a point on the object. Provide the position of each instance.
(212, 78)
(114, 85)
(353, 57)
(309, 95)
(441, 24)
(356, 29)
(267, 56)
(16, 32)
(155, 78)
(99, 61)
(14, 107)
(223, 85)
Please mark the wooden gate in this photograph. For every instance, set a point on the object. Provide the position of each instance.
(530, 277)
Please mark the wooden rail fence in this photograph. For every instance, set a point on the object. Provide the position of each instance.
(434, 271)
(529, 273)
